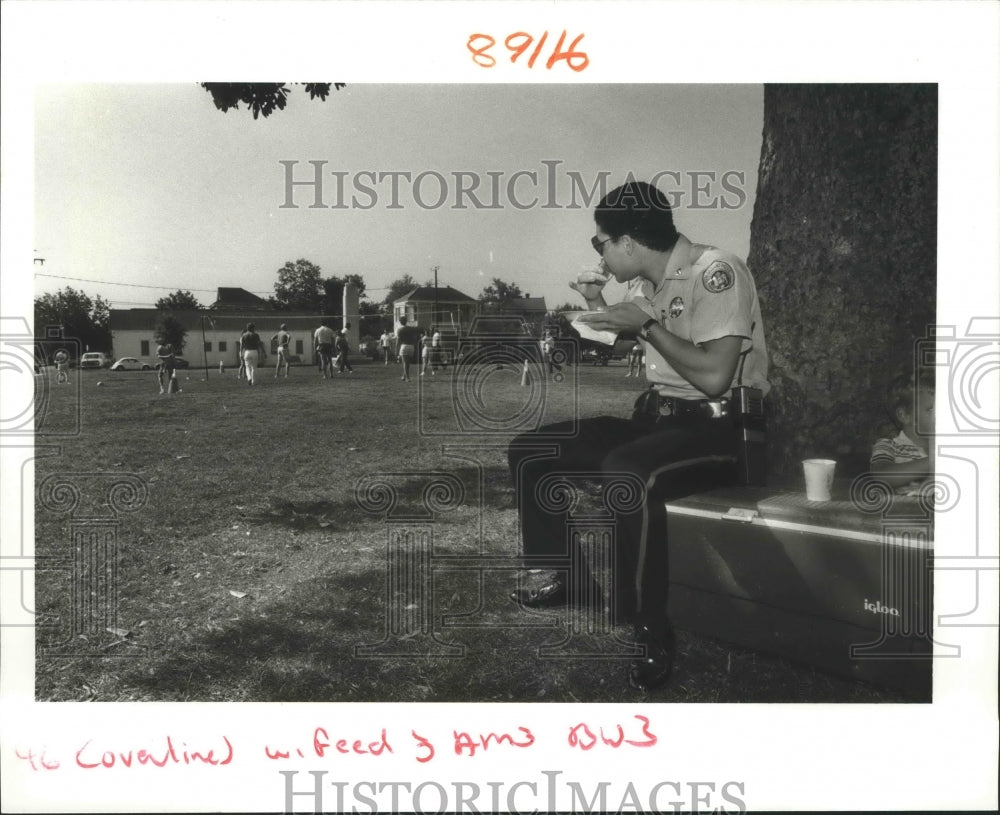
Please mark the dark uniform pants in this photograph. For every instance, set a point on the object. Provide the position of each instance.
(677, 456)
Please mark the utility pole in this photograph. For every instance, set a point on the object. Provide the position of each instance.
(434, 319)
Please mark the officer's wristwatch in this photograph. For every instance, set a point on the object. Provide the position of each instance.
(646, 326)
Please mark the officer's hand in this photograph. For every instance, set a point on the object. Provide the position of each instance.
(619, 317)
(591, 283)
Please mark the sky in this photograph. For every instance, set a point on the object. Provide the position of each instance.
(148, 188)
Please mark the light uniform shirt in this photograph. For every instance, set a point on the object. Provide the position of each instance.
(706, 294)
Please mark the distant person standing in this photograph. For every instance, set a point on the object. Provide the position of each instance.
(407, 340)
(385, 345)
(635, 360)
(425, 352)
(324, 338)
(62, 368)
(166, 365)
(435, 349)
(283, 340)
(343, 349)
(549, 350)
(251, 349)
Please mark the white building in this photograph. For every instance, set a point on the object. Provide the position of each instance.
(213, 334)
(444, 307)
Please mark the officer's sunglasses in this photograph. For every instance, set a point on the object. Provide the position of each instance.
(599, 244)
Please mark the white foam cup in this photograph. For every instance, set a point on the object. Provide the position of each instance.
(819, 478)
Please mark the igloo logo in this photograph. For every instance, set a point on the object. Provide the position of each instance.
(878, 608)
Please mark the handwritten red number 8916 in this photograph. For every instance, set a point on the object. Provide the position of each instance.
(521, 41)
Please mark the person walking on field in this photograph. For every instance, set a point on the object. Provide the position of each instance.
(548, 351)
(62, 369)
(251, 349)
(283, 340)
(165, 365)
(425, 352)
(407, 340)
(343, 349)
(385, 343)
(635, 361)
(324, 338)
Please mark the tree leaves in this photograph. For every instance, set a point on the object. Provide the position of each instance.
(81, 318)
(178, 301)
(262, 98)
(169, 330)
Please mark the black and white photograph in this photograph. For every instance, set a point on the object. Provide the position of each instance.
(528, 426)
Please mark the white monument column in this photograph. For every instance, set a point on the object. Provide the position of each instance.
(351, 314)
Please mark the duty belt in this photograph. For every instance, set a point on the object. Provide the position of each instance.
(708, 408)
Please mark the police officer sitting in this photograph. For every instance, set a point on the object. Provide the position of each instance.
(696, 311)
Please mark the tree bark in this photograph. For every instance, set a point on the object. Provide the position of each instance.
(843, 248)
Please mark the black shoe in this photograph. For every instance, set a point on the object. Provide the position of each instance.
(655, 668)
(553, 594)
(548, 595)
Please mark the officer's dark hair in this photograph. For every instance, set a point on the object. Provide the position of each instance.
(639, 210)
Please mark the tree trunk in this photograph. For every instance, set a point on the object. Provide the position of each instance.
(843, 249)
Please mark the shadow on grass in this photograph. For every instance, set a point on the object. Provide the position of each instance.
(485, 489)
(305, 649)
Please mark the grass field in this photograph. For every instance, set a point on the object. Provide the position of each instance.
(255, 568)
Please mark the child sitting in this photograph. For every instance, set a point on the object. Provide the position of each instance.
(909, 456)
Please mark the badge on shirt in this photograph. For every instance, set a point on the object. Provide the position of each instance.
(718, 277)
(676, 307)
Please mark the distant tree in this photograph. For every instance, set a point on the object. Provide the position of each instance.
(556, 318)
(399, 288)
(333, 297)
(262, 98)
(374, 319)
(170, 330)
(299, 287)
(333, 292)
(178, 301)
(499, 292)
(79, 317)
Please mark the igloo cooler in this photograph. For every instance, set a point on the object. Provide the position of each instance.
(842, 585)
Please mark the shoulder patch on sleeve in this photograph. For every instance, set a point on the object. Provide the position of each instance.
(718, 277)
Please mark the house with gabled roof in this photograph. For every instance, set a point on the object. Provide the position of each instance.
(236, 299)
(533, 309)
(444, 306)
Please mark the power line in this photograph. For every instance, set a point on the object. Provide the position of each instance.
(114, 283)
(165, 288)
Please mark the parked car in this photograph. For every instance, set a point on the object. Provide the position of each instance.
(131, 364)
(95, 359)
